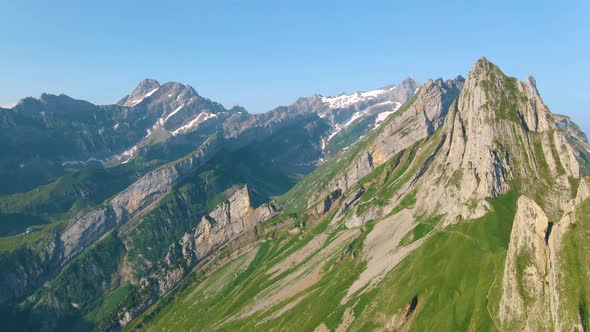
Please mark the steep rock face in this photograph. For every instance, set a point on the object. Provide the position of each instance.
(350, 117)
(229, 222)
(26, 269)
(496, 136)
(422, 119)
(498, 129)
(85, 229)
(230, 219)
(583, 192)
(49, 256)
(340, 110)
(577, 139)
(424, 114)
(532, 298)
(133, 200)
(167, 113)
(109, 263)
(144, 89)
(327, 203)
(526, 286)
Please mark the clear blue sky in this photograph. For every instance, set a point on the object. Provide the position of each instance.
(262, 54)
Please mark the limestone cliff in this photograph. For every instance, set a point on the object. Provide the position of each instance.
(140, 195)
(499, 132)
(527, 287)
(229, 224)
(416, 120)
(50, 254)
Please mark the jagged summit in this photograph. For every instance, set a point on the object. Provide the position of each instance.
(144, 89)
(458, 198)
(165, 92)
(145, 86)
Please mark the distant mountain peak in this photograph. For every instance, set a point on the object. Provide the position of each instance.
(146, 85)
(409, 81)
(143, 90)
(407, 88)
(482, 67)
(149, 87)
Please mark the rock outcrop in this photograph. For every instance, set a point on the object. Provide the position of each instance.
(324, 206)
(50, 255)
(144, 89)
(531, 294)
(526, 285)
(227, 225)
(86, 229)
(492, 135)
(578, 141)
(418, 119)
(229, 220)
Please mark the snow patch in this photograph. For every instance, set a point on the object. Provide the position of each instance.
(173, 112)
(384, 103)
(345, 100)
(129, 153)
(151, 92)
(339, 128)
(383, 115)
(355, 116)
(202, 117)
(137, 101)
(126, 156)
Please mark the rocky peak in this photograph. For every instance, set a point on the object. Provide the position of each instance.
(409, 85)
(481, 68)
(495, 96)
(145, 86)
(415, 122)
(144, 89)
(530, 87)
(177, 92)
(238, 109)
(531, 81)
(488, 143)
(456, 83)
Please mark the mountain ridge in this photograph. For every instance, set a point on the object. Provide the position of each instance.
(470, 174)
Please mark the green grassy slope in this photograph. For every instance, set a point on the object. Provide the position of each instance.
(296, 199)
(575, 268)
(435, 273)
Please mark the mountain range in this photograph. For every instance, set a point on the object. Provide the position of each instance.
(458, 204)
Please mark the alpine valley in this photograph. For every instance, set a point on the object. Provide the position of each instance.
(455, 205)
